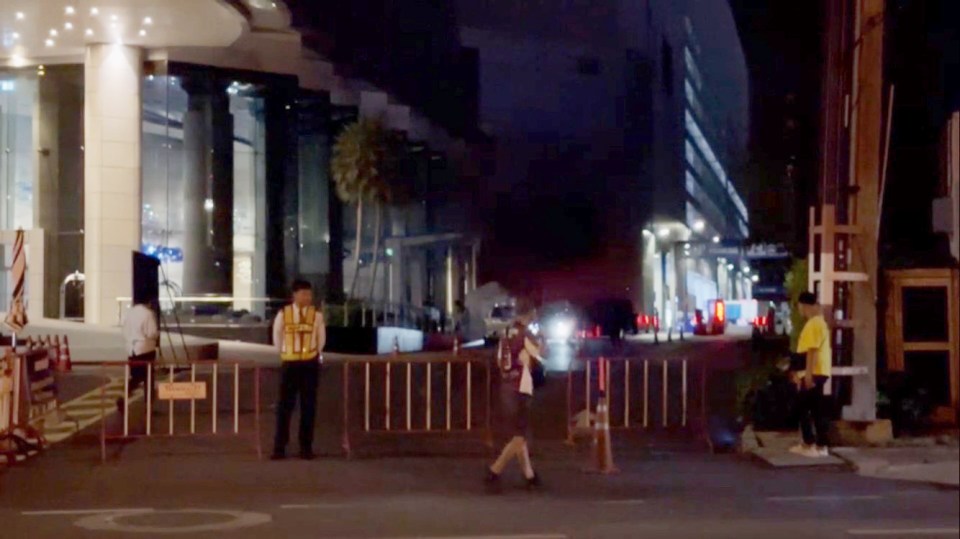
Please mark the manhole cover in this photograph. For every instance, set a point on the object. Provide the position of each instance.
(172, 521)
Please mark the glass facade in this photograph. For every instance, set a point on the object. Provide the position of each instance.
(18, 101)
(708, 170)
(41, 171)
(204, 185)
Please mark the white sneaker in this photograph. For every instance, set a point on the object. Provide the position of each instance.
(823, 451)
(812, 452)
(799, 449)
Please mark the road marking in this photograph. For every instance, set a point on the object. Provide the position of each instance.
(315, 506)
(908, 531)
(824, 498)
(636, 501)
(520, 536)
(109, 521)
(85, 511)
(86, 410)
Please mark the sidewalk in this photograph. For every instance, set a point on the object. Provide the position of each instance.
(923, 460)
(937, 464)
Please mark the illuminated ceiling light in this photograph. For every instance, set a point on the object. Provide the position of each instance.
(69, 10)
(755, 278)
(730, 267)
(15, 36)
(716, 239)
(148, 21)
(150, 77)
(53, 32)
(94, 11)
(143, 32)
(89, 32)
(114, 18)
(699, 225)
(746, 270)
(18, 60)
(68, 26)
(49, 42)
(20, 16)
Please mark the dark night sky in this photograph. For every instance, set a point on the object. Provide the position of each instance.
(782, 41)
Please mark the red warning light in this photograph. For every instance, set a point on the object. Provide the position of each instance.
(720, 311)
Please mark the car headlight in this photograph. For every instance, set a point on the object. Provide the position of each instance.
(561, 329)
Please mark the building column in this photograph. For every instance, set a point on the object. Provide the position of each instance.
(112, 202)
(208, 191)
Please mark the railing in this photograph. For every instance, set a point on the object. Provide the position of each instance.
(641, 393)
(432, 396)
(220, 382)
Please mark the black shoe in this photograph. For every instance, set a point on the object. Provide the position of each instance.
(278, 455)
(534, 482)
(307, 455)
(492, 482)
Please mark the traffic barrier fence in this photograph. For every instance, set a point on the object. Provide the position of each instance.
(199, 398)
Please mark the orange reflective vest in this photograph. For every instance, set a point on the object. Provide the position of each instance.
(298, 335)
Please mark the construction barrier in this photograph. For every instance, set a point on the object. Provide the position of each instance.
(639, 394)
(9, 378)
(400, 395)
(205, 395)
(29, 398)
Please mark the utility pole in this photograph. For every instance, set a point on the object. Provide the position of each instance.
(843, 245)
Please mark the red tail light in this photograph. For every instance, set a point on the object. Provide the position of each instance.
(720, 311)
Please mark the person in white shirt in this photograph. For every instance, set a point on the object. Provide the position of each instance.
(518, 360)
(299, 334)
(141, 335)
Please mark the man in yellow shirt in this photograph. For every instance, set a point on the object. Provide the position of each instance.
(814, 343)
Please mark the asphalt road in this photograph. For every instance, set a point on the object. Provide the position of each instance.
(668, 486)
(662, 491)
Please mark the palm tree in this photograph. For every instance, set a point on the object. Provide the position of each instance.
(395, 189)
(361, 165)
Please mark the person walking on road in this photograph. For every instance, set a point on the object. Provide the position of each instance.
(299, 334)
(519, 358)
(141, 335)
(813, 402)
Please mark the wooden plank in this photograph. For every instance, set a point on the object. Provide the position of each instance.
(943, 346)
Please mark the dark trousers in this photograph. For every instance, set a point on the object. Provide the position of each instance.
(138, 372)
(297, 379)
(814, 413)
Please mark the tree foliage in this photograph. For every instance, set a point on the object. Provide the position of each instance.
(796, 283)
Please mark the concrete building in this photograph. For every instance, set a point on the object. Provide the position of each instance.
(650, 99)
(199, 131)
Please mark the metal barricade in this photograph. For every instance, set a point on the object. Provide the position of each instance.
(9, 377)
(417, 395)
(642, 394)
(206, 395)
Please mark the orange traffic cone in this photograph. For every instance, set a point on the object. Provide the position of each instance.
(54, 352)
(602, 461)
(65, 364)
